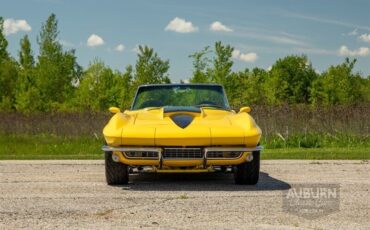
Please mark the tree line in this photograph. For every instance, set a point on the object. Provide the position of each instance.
(54, 81)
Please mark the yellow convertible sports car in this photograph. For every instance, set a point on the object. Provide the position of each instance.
(181, 128)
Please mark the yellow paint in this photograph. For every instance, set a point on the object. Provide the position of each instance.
(152, 127)
(245, 109)
(114, 110)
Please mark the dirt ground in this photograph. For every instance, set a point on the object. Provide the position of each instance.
(73, 194)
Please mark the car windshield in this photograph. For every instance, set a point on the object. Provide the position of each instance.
(182, 95)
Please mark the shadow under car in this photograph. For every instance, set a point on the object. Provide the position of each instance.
(200, 182)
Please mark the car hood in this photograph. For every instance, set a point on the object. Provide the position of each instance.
(161, 127)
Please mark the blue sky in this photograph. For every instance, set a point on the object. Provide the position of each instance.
(260, 31)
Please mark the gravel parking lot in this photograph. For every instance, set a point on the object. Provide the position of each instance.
(73, 194)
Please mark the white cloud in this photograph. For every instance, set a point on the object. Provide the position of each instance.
(180, 25)
(12, 26)
(362, 51)
(352, 33)
(246, 57)
(218, 26)
(365, 37)
(94, 40)
(120, 48)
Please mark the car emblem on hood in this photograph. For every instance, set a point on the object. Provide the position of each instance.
(182, 120)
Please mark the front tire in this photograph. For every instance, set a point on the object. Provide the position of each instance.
(248, 172)
(115, 173)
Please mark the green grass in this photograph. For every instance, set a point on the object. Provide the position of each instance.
(361, 153)
(49, 147)
(46, 146)
(316, 140)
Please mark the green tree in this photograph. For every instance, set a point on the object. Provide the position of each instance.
(366, 88)
(216, 69)
(201, 71)
(4, 55)
(150, 68)
(56, 69)
(222, 63)
(100, 88)
(8, 80)
(339, 85)
(8, 73)
(290, 80)
(26, 59)
(27, 94)
(128, 91)
(246, 87)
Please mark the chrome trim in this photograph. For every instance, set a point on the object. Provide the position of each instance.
(226, 158)
(129, 149)
(144, 158)
(205, 159)
(160, 156)
(229, 149)
(233, 149)
(161, 150)
(143, 149)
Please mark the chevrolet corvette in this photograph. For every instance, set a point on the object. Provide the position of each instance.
(181, 128)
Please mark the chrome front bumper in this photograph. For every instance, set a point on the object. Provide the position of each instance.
(157, 149)
(159, 152)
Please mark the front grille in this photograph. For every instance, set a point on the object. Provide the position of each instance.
(183, 153)
(141, 154)
(223, 154)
